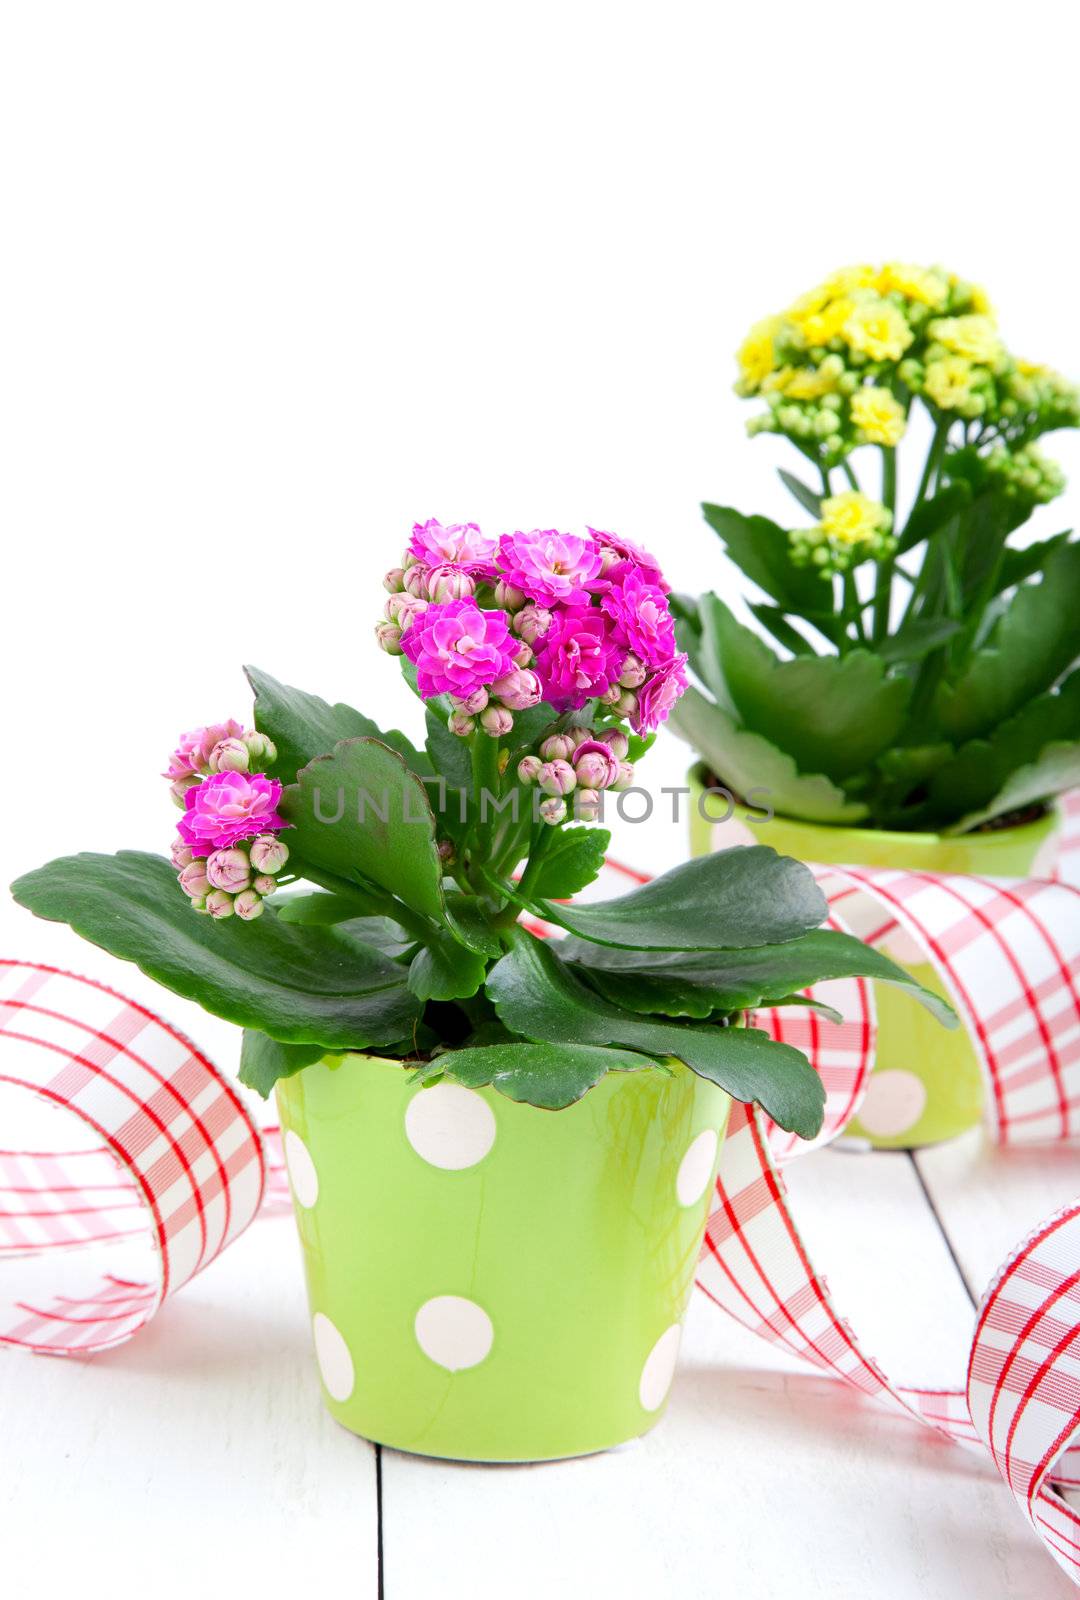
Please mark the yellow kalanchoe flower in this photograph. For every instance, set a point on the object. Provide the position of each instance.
(877, 329)
(972, 336)
(923, 284)
(853, 518)
(757, 354)
(948, 382)
(878, 415)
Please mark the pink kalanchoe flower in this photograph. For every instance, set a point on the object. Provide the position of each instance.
(547, 565)
(595, 764)
(461, 544)
(578, 658)
(639, 610)
(658, 694)
(192, 754)
(227, 808)
(457, 648)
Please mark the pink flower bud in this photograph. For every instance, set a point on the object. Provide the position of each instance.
(588, 805)
(580, 736)
(404, 609)
(595, 765)
(625, 779)
(194, 881)
(524, 655)
(416, 582)
(449, 583)
(622, 701)
(610, 696)
(528, 768)
(394, 581)
(608, 558)
(389, 636)
(617, 742)
(553, 810)
(447, 852)
(507, 597)
(472, 704)
(229, 755)
(229, 869)
(268, 853)
(461, 724)
(264, 885)
(556, 777)
(633, 674)
(179, 788)
(263, 751)
(496, 721)
(531, 623)
(557, 747)
(248, 905)
(518, 690)
(219, 904)
(181, 854)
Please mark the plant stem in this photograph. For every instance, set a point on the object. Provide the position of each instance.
(542, 836)
(883, 585)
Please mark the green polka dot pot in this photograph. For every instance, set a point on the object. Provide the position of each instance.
(489, 1281)
(927, 1084)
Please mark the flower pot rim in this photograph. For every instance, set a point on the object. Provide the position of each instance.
(1014, 831)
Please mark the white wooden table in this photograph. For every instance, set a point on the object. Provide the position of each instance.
(198, 1456)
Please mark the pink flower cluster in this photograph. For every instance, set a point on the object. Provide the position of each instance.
(501, 624)
(226, 850)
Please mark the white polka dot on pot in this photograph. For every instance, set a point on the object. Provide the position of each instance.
(332, 1354)
(893, 1104)
(454, 1332)
(450, 1126)
(696, 1167)
(659, 1368)
(302, 1174)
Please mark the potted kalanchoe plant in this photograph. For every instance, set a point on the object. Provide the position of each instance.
(501, 1145)
(924, 710)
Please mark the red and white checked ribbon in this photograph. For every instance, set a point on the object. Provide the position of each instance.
(178, 1154)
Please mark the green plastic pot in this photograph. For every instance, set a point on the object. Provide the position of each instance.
(927, 1084)
(492, 1282)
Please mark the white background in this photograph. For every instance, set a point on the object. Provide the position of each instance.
(277, 280)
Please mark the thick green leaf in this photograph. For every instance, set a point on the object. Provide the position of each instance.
(831, 714)
(1016, 565)
(982, 769)
(297, 984)
(729, 900)
(1035, 641)
(762, 550)
(737, 980)
(749, 765)
(360, 812)
(446, 971)
(536, 995)
(774, 621)
(935, 515)
(303, 726)
(916, 639)
(573, 860)
(1055, 770)
(470, 920)
(326, 910)
(547, 1075)
(451, 760)
(264, 1060)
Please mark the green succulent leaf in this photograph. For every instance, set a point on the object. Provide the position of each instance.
(935, 515)
(297, 984)
(729, 900)
(737, 980)
(360, 813)
(1033, 643)
(264, 1060)
(803, 493)
(326, 910)
(830, 714)
(774, 621)
(1018, 565)
(303, 726)
(470, 921)
(572, 862)
(446, 971)
(761, 548)
(916, 639)
(1055, 770)
(748, 763)
(550, 1076)
(536, 995)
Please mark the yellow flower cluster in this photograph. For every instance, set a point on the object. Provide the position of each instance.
(852, 528)
(840, 367)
